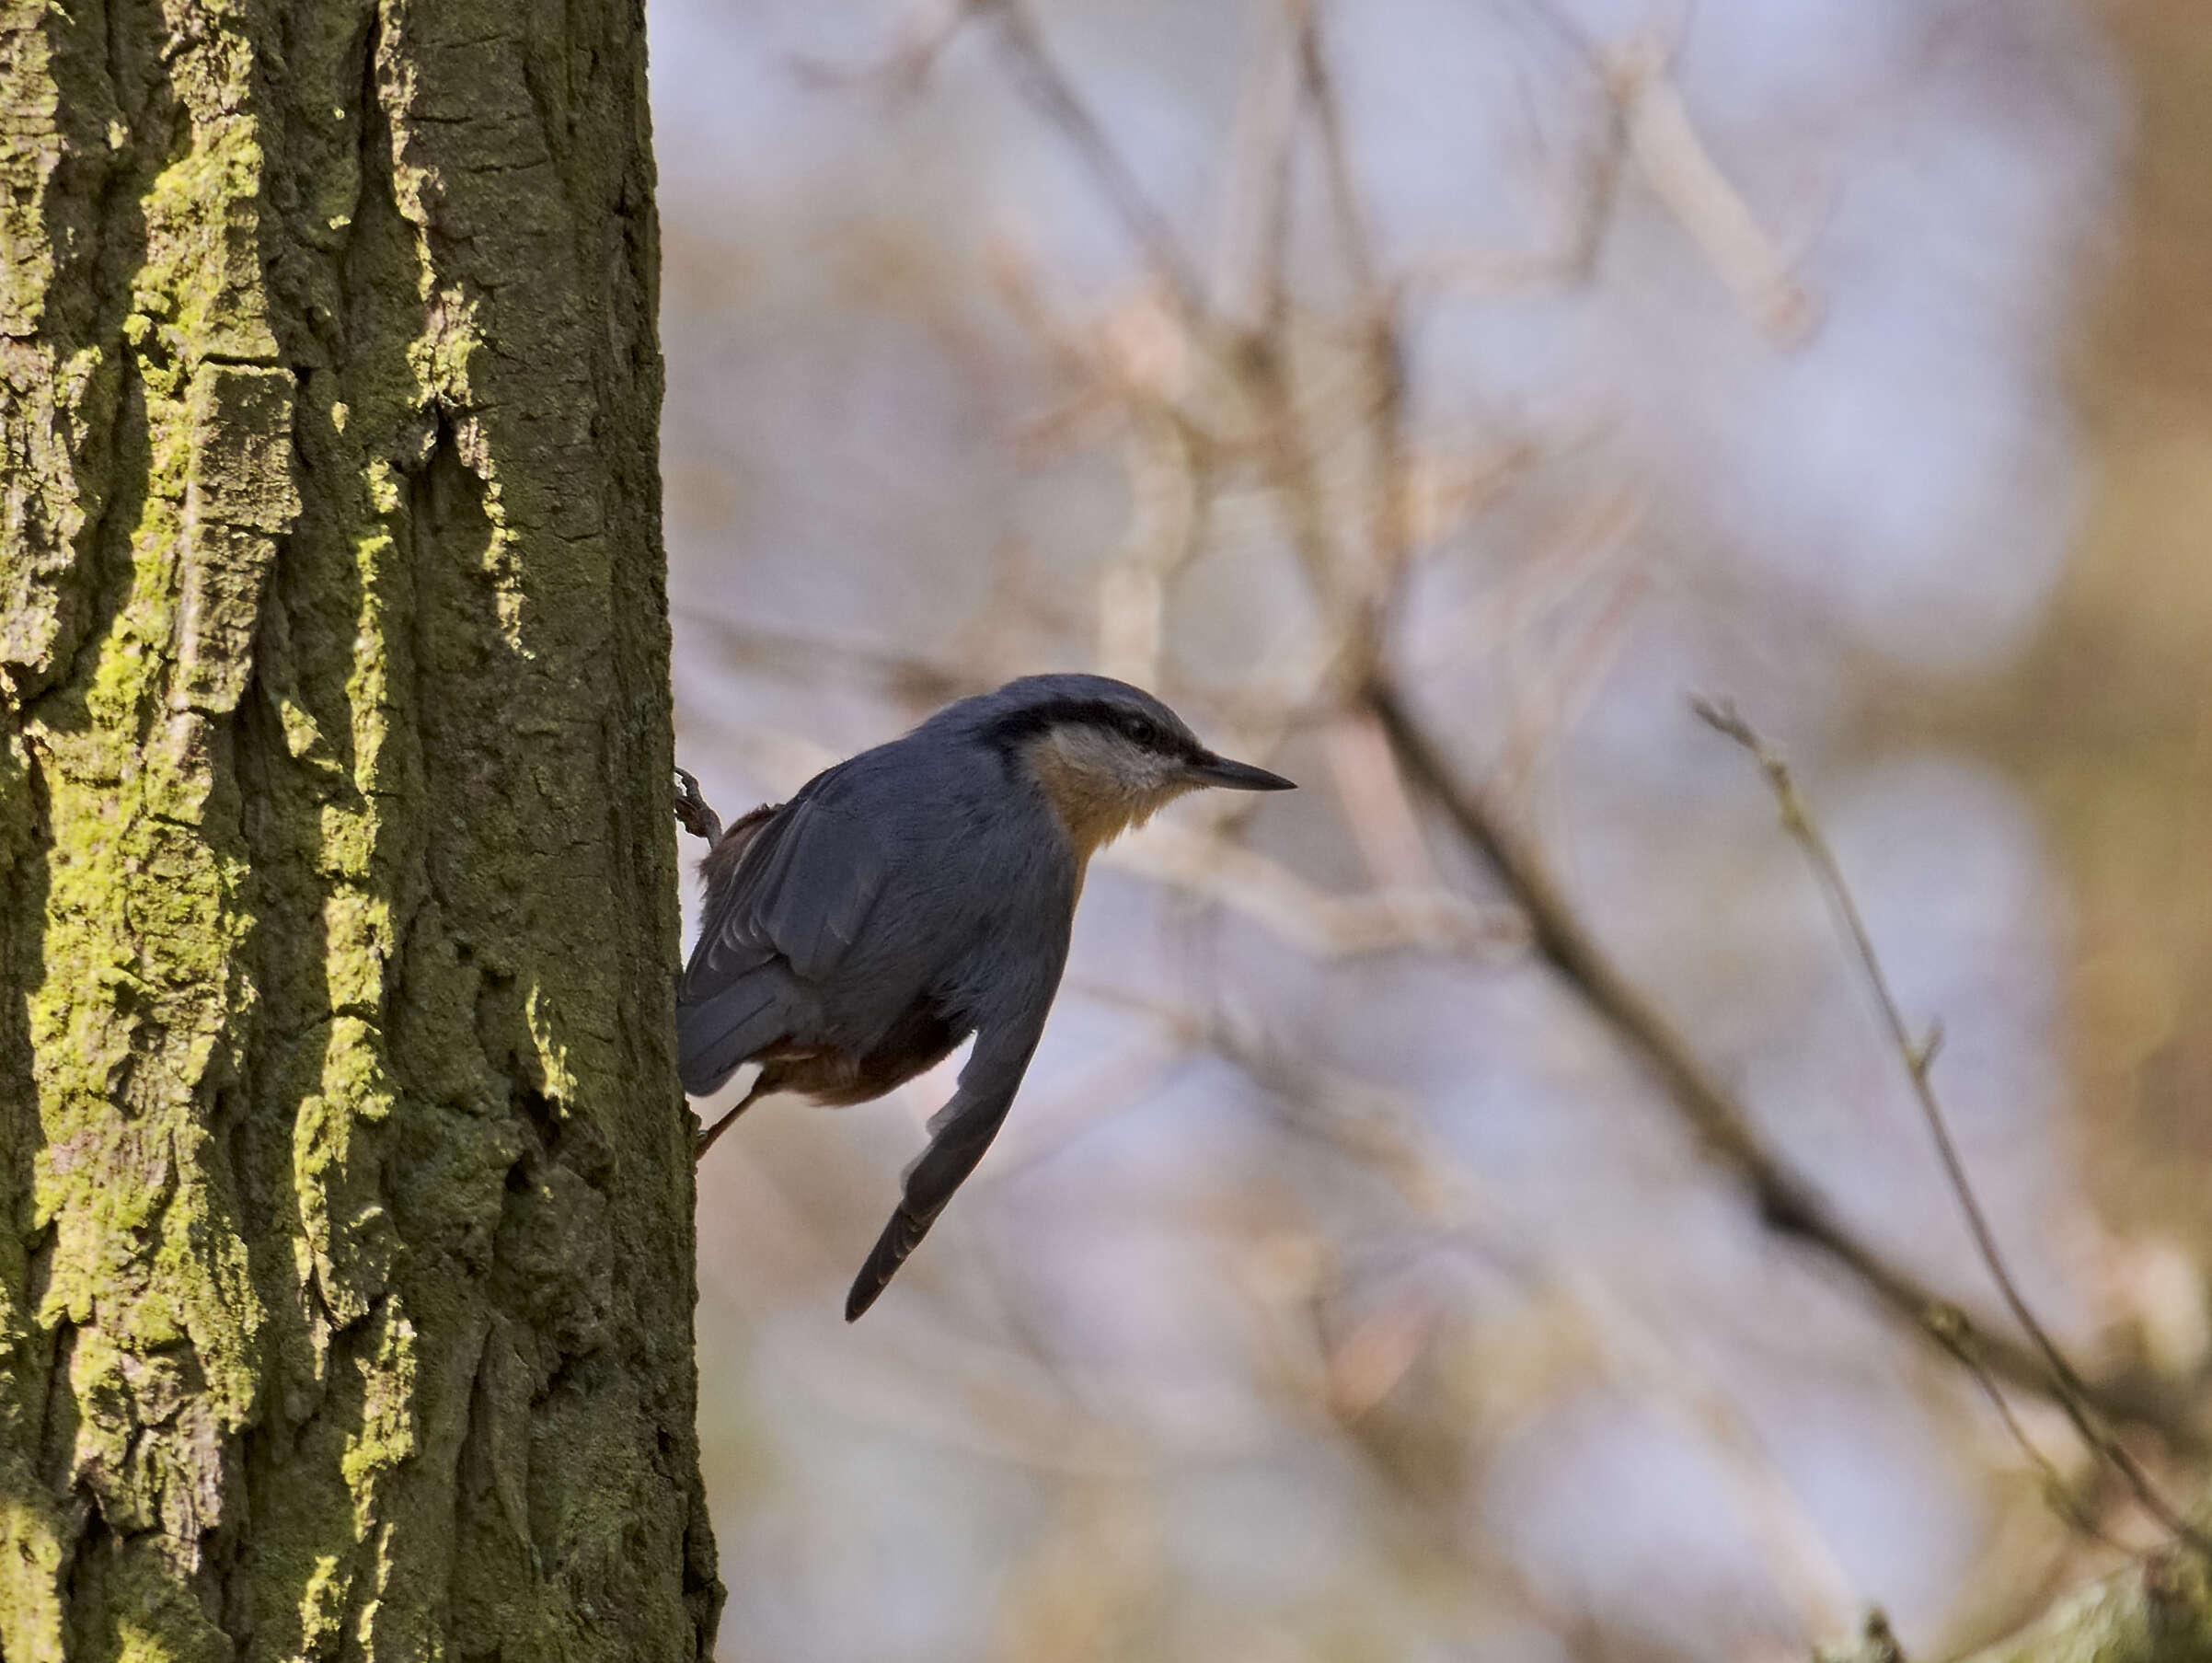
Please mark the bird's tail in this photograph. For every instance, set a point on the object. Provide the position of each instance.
(900, 1237)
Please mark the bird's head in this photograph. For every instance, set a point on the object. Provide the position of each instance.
(1107, 755)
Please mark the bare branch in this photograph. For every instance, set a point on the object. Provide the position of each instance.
(1346, 209)
(1875, 1643)
(1376, 807)
(1255, 244)
(911, 678)
(1787, 1203)
(1038, 77)
(1325, 926)
(1382, 351)
(2157, 1612)
(2066, 1386)
(1377, 1129)
(1169, 500)
(1675, 162)
(2057, 1490)
(900, 71)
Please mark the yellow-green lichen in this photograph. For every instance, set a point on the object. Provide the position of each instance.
(345, 722)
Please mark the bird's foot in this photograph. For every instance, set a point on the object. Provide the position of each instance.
(705, 1140)
(692, 811)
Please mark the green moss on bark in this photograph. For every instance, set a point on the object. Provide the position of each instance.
(345, 1247)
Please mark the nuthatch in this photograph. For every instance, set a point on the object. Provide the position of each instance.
(917, 894)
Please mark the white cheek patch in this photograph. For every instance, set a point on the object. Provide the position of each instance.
(1106, 763)
(1102, 783)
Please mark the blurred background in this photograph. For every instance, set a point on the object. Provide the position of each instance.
(1394, 1256)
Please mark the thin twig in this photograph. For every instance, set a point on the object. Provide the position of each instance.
(1038, 77)
(1169, 502)
(1680, 169)
(1787, 1203)
(1259, 364)
(1344, 204)
(903, 70)
(1387, 919)
(1255, 255)
(916, 680)
(1382, 353)
(1377, 812)
(2057, 1490)
(1376, 1130)
(2066, 1387)
(1287, 454)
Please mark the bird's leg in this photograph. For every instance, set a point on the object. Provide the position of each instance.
(706, 1137)
(693, 813)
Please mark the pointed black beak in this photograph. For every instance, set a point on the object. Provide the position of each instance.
(1238, 775)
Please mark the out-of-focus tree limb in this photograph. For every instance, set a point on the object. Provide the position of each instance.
(1786, 1201)
(2159, 1611)
(1918, 1056)
(1037, 74)
(1423, 917)
(914, 679)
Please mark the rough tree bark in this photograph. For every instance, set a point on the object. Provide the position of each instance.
(345, 1185)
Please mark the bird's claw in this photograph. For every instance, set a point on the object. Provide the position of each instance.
(692, 811)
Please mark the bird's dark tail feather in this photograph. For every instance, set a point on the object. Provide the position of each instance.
(899, 1239)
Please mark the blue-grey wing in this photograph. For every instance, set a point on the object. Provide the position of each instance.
(787, 904)
(801, 890)
(961, 1132)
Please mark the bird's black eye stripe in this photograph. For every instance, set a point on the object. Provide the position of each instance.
(1151, 732)
(1015, 726)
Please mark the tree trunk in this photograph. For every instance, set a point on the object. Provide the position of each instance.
(345, 1189)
